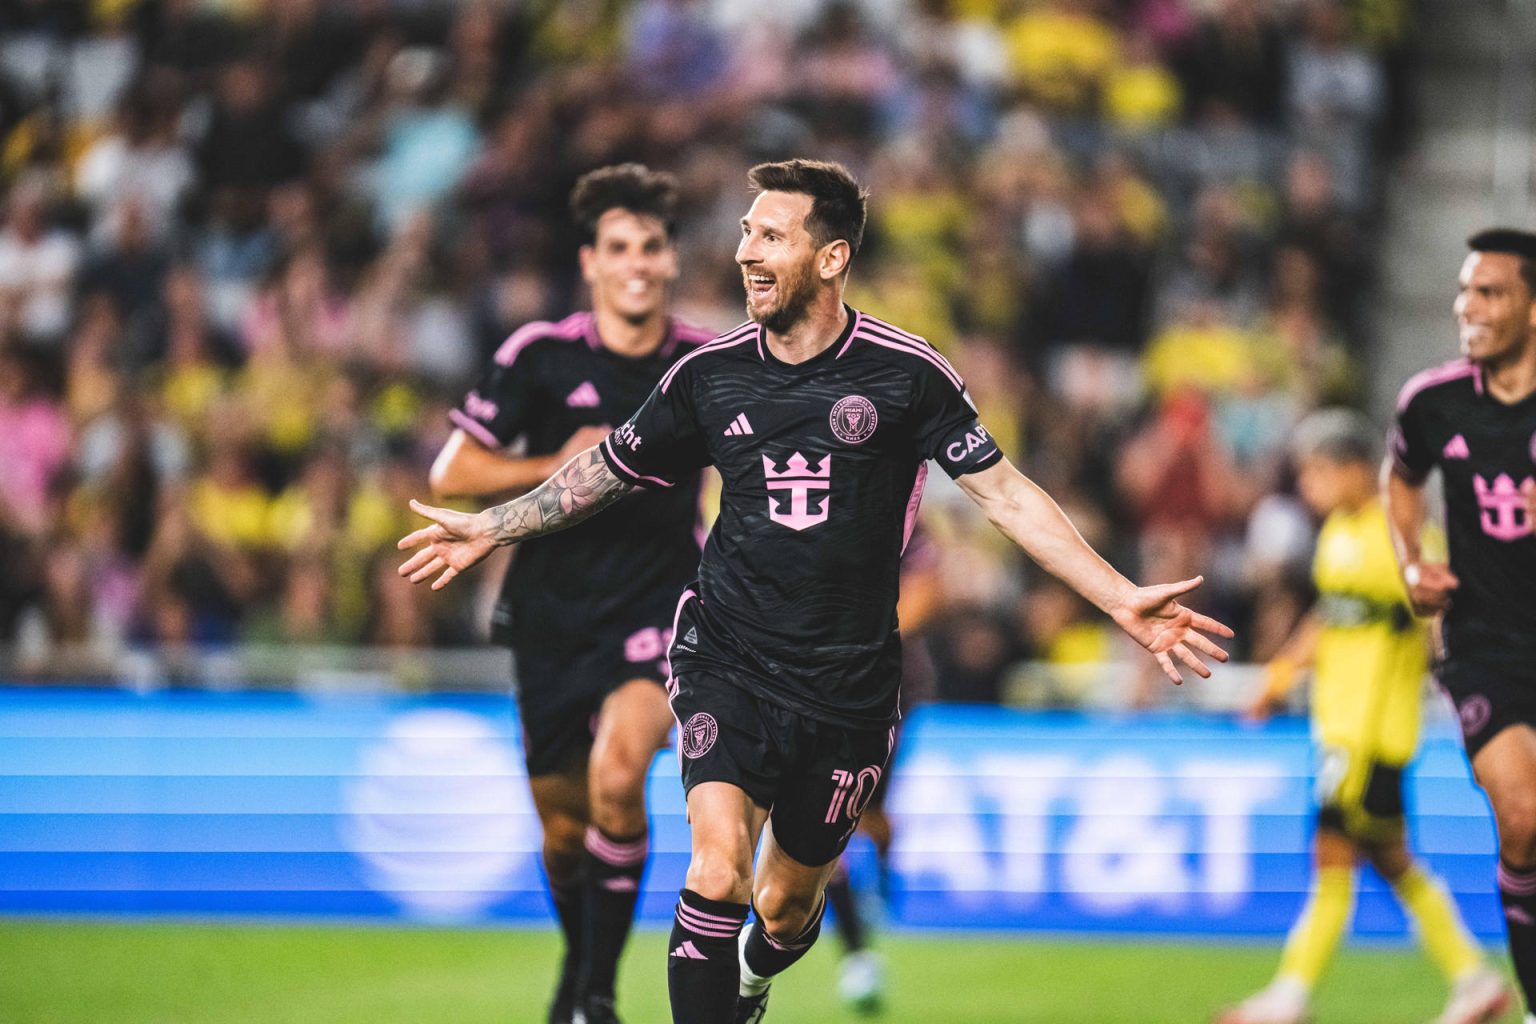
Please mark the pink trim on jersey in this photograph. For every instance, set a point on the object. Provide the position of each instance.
(681, 332)
(913, 502)
(589, 332)
(571, 328)
(677, 615)
(608, 447)
(725, 341)
(1435, 376)
(474, 428)
(871, 333)
(858, 318)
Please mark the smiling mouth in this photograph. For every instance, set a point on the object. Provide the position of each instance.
(758, 285)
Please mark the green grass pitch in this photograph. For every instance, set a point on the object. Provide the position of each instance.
(61, 972)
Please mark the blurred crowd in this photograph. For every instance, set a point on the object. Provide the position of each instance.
(254, 250)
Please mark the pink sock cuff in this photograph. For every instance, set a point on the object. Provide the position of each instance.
(615, 853)
(1517, 883)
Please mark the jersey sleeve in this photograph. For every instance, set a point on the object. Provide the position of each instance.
(947, 427)
(1412, 457)
(497, 410)
(661, 442)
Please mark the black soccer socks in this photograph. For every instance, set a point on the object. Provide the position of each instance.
(1517, 891)
(611, 872)
(766, 956)
(567, 898)
(702, 974)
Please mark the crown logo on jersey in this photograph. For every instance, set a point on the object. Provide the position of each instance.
(799, 479)
(1504, 515)
(584, 397)
(1456, 448)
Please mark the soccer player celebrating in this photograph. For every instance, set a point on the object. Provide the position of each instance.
(1475, 418)
(785, 655)
(1368, 658)
(587, 613)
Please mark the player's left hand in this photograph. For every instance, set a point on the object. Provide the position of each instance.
(1155, 619)
(453, 543)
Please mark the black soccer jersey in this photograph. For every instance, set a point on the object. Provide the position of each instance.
(612, 573)
(1486, 451)
(823, 464)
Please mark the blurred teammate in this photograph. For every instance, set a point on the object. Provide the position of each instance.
(1368, 658)
(785, 653)
(587, 614)
(1475, 419)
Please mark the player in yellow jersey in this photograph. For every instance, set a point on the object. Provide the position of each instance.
(1368, 657)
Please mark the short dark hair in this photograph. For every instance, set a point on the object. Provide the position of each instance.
(632, 187)
(1342, 436)
(839, 204)
(1513, 241)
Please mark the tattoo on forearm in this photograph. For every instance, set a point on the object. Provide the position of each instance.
(579, 489)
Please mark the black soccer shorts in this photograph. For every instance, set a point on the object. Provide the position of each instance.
(814, 777)
(1488, 698)
(560, 692)
(1359, 796)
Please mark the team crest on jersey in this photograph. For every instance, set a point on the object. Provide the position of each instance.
(1475, 712)
(854, 419)
(698, 736)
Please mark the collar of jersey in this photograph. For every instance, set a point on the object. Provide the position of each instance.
(826, 355)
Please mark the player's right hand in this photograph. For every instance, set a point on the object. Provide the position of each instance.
(1430, 587)
(453, 543)
(584, 438)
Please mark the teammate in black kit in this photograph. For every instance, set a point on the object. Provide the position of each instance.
(587, 613)
(785, 656)
(1475, 419)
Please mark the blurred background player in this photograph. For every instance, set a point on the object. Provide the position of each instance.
(588, 613)
(1368, 657)
(862, 978)
(1475, 420)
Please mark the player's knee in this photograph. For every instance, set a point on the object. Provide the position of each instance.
(720, 876)
(1517, 829)
(784, 912)
(619, 779)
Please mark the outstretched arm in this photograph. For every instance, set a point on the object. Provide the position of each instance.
(1151, 615)
(456, 541)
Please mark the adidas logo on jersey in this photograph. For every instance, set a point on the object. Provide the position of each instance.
(739, 426)
(692, 637)
(688, 951)
(1456, 448)
(584, 397)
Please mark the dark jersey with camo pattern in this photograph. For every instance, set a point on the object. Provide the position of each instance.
(1486, 452)
(615, 573)
(823, 464)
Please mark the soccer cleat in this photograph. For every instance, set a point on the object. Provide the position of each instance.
(862, 984)
(1282, 1002)
(1479, 997)
(599, 1010)
(752, 1009)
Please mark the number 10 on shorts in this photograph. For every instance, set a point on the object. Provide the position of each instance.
(851, 793)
